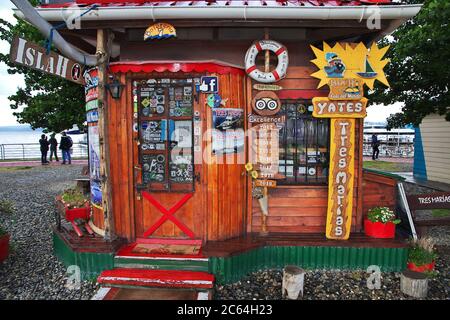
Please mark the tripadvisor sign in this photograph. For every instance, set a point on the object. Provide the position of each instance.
(31, 55)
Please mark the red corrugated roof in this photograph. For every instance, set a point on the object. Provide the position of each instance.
(181, 3)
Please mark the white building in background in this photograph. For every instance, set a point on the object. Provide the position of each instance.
(393, 143)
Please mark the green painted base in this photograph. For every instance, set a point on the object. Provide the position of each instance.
(232, 269)
(91, 264)
(162, 264)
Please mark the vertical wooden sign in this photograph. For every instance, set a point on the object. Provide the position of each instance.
(341, 179)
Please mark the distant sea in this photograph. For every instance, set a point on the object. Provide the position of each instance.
(24, 134)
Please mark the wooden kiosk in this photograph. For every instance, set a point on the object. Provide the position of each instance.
(172, 150)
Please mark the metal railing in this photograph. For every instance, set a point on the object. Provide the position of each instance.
(31, 151)
(397, 150)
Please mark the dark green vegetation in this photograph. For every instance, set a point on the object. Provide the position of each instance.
(418, 73)
(49, 102)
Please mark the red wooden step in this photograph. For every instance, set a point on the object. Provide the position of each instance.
(157, 278)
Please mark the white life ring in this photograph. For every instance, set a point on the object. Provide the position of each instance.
(266, 77)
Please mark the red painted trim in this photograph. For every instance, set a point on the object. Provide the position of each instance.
(199, 67)
(252, 68)
(281, 2)
(157, 278)
(280, 51)
(258, 46)
(168, 241)
(168, 215)
(276, 75)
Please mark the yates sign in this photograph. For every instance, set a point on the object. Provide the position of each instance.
(31, 55)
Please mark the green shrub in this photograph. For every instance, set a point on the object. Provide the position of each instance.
(6, 207)
(2, 231)
(422, 251)
(383, 215)
(74, 198)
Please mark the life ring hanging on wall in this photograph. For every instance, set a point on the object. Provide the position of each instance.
(266, 77)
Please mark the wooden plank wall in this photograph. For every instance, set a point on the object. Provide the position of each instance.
(225, 180)
(121, 162)
(217, 209)
(378, 191)
(303, 208)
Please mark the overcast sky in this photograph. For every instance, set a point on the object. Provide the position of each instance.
(9, 83)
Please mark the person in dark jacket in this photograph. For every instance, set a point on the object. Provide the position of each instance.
(375, 145)
(44, 148)
(65, 144)
(53, 147)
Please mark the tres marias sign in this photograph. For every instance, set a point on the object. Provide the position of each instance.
(31, 55)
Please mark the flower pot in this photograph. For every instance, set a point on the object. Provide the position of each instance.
(4, 247)
(379, 229)
(426, 267)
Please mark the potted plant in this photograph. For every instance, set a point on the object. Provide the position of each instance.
(380, 223)
(4, 244)
(74, 207)
(422, 255)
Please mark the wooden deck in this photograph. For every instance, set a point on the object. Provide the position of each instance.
(94, 244)
(238, 245)
(252, 241)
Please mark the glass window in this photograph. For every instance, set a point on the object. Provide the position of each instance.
(165, 129)
(304, 145)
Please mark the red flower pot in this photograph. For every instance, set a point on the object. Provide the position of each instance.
(426, 267)
(379, 229)
(4, 247)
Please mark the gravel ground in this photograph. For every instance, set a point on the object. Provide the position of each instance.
(32, 271)
(333, 285)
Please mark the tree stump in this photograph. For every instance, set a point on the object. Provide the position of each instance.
(414, 284)
(293, 278)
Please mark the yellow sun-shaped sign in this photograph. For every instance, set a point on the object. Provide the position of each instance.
(349, 60)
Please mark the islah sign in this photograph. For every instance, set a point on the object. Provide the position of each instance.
(29, 54)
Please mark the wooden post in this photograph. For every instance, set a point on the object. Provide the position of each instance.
(104, 40)
(414, 284)
(265, 200)
(293, 280)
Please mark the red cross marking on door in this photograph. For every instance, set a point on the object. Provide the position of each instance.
(168, 215)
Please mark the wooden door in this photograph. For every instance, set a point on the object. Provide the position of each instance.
(167, 181)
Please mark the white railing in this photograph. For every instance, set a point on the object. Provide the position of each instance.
(30, 151)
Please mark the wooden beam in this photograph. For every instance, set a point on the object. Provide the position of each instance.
(104, 42)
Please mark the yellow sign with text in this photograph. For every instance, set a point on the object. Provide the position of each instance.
(341, 179)
(326, 108)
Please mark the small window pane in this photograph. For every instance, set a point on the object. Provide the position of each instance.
(304, 142)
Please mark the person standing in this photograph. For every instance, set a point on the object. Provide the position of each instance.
(44, 149)
(53, 147)
(65, 144)
(375, 147)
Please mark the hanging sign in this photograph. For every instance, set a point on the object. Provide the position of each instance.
(267, 77)
(345, 89)
(29, 54)
(266, 183)
(346, 61)
(266, 103)
(267, 87)
(326, 108)
(341, 179)
(160, 31)
(253, 118)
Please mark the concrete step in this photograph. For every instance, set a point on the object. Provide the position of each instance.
(109, 293)
(132, 278)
